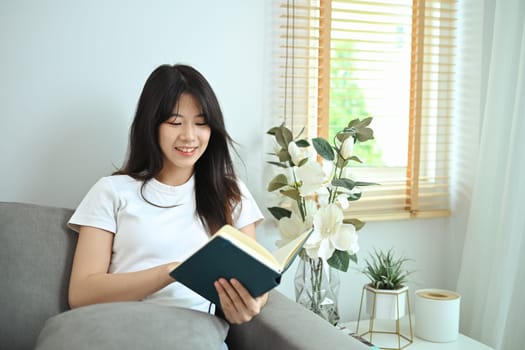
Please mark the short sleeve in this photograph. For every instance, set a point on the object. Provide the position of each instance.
(98, 208)
(246, 212)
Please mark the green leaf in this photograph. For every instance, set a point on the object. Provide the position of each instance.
(386, 271)
(346, 183)
(343, 135)
(360, 130)
(273, 130)
(287, 135)
(278, 182)
(340, 260)
(283, 136)
(365, 134)
(361, 183)
(355, 159)
(302, 143)
(292, 193)
(358, 224)
(302, 162)
(359, 124)
(279, 212)
(281, 165)
(350, 196)
(283, 155)
(354, 123)
(354, 196)
(341, 162)
(365, 122)
(323, 148)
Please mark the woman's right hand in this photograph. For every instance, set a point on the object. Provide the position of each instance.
(171, 267)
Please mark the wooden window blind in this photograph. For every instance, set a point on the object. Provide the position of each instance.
(392, 60)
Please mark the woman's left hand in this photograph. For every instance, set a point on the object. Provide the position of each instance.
(236, 302)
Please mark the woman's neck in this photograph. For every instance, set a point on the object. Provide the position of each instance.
(174, 178)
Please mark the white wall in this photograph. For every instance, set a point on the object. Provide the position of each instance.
(70, 76)
(71, 73)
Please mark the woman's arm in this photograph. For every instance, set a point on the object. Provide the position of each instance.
(236, 302)
(91, 282)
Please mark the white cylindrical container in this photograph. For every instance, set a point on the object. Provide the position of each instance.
(437, 315)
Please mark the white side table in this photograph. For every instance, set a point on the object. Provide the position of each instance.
(462, 343)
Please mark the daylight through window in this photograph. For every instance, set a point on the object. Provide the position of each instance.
(391, 60)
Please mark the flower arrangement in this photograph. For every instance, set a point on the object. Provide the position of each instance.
(386, 271)
(314, 194)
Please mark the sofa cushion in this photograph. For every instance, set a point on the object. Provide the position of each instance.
(284, 324)
(36, 249)
(132, 325)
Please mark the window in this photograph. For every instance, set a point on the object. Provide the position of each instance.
(392, 60)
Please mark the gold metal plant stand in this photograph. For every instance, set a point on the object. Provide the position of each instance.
(397, 332)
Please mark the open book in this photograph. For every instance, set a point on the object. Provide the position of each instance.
(230, 253)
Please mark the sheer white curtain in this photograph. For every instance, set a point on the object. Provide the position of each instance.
(489, 202)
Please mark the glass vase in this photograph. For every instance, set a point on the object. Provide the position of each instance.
(317, 288)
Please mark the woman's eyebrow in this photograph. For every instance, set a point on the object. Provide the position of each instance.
(183, 116)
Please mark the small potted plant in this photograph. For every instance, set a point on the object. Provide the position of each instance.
(386, 294)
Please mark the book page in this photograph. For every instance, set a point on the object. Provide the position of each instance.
(287, 251)
(249, 245)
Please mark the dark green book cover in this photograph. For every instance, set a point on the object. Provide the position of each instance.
(221, 257)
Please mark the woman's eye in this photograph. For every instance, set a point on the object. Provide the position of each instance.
(201, 122)
(173, 121)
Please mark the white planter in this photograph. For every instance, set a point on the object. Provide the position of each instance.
(389, 304)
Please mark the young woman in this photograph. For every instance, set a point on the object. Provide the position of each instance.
(177, 187)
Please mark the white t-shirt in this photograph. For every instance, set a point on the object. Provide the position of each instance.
(148, 236)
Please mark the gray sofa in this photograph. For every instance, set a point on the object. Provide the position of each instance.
(36, 250)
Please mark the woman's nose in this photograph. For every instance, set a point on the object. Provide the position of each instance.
(188, 131)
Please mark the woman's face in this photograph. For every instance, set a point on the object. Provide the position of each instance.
(183, 138)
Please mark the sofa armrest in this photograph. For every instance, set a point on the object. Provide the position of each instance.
(286, 325)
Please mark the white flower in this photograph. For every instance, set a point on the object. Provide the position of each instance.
(347, 148)
(311, 176)
(329, 170)
(343, 201)
(291, 228)
(300, 153)
(311, 209)
(354, 247)
(330, 234)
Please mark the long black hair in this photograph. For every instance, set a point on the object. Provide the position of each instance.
(216, 189)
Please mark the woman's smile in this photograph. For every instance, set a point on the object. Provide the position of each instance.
(186, 151)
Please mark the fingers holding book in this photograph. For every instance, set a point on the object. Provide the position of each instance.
(236, 302)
